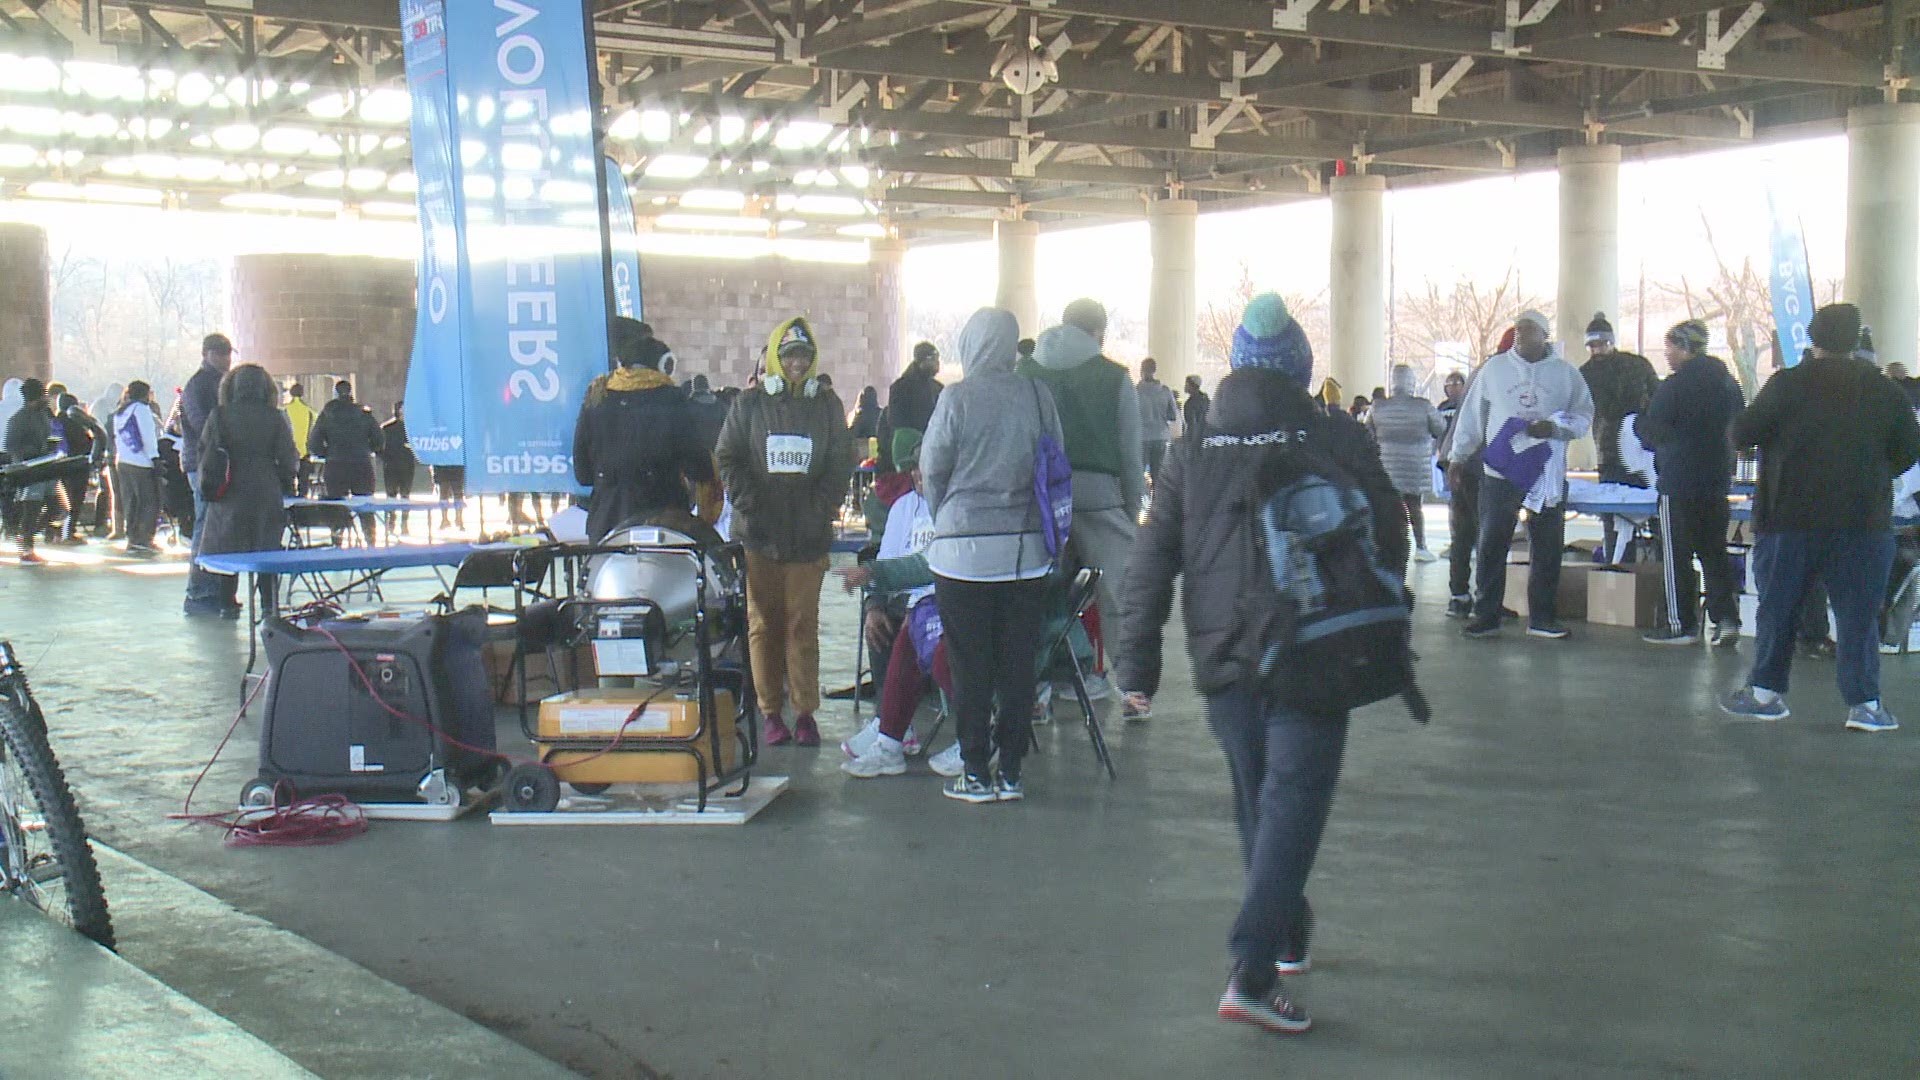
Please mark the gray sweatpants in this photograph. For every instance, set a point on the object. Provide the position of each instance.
(1105, 540)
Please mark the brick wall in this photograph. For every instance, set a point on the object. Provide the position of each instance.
(324, 315)
(717, 314)
(26, 309)
(327, 315)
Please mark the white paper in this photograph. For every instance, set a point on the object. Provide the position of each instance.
(789, 454)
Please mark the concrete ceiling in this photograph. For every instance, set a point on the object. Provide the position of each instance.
(895, 107)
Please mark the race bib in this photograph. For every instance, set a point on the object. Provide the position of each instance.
(789, 454)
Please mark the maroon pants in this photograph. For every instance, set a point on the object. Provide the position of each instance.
(907, 684)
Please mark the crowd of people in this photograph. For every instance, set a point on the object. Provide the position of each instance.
(1048, 456)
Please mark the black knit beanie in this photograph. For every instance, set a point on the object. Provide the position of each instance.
(1836, 329)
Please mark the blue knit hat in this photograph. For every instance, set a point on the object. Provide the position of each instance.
(1271, 339)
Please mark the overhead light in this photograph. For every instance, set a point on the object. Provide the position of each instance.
(711, 223)
(868, 230)
(330, 178)
(403, 183)
(557, 192)
(199, 168)
(366, 179)
(387, 209)
(625, 127)
(16, 156)
(676, 166)
(802, 135)
(328, 106)
(271, 200)
(33, 75)
(712, 199)
(94, 126)
(193, 89)
(656, 126)
(829, 205)
(386, 106)
(234, 137)
(520, 156)
(288, 140)
(32, 119)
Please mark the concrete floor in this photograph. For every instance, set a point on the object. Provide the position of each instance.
(1579, 870)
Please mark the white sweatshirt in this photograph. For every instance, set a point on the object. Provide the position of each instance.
(1508, 386)
(136, 438)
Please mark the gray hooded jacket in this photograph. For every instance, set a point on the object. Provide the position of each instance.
(976, 463)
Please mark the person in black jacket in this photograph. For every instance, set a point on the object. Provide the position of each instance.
(910, 400)
(83, 435)
(347, 436)
(1193, 411)
(640, 442)
(1689, 425)
(397, 463)
(1833, 433)
(1284, 762)
(29, 435)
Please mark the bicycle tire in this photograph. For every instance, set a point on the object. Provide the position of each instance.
(84, 905)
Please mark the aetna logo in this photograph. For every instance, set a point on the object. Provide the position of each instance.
(529, 465)
(434, 444)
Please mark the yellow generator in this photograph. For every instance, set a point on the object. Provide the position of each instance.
(666, 619)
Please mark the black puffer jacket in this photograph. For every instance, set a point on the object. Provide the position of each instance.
(1200, 527)
(347, 436)
(639, 447)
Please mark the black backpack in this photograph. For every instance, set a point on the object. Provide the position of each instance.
(1328, 629)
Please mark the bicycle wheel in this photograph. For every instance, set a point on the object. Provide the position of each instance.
(44, 855)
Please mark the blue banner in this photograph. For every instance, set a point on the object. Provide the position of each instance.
(1791, 282)
(534, 239)
(625, 244)
(436, 377)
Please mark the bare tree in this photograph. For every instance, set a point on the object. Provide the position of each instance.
(1443, 326)
(1740, 299)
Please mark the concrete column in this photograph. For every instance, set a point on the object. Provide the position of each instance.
(1589, 257)
(1883, 225)
(327, 316)
(886, 258)
(1358, 284)
(1589, 243)
(26, 315)
(1016, 293)
(1173, 319)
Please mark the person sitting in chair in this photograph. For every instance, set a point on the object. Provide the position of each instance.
(914, 641)
(639, 445)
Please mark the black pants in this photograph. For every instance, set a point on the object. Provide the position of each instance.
(399, 485)
(1695, 527)
(76, 488)
(1463, 520)
(139, 503)
(1500, 504)
(993, 636)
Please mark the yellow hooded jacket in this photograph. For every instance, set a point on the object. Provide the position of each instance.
(785, 456)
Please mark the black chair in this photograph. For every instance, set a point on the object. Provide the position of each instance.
(311, 525)
(1080, 595)
(524, 570)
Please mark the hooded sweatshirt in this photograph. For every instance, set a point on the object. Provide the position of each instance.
(785, 457)
(1100, 414)
(976, 463)
(1509, 388)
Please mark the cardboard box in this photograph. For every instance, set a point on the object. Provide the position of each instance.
(1572, 592)
(1633, 596)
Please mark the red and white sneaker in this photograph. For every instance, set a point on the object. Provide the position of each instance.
(1273, 1011)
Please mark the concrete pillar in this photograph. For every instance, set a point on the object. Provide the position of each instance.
(26, 315)
(327, 317)
(1016, 293)
(1589, 243)
(887, 258)
(1589, 257)
(1883, 225)
(1358, 284)
(1173, 319)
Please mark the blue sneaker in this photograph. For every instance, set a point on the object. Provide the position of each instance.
(970, 788)
(1743, 702)
(1008, 789)
(1877, 718)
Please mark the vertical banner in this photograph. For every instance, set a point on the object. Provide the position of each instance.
(436, 376)
(1791, 282)
(624, 242)
(523, 82)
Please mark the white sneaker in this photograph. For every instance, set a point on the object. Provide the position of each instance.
(1129, 713)
(1425, 556)
(948, 762)
(862, 742)
(1043, 705)
(1099, 687)
(886, 758)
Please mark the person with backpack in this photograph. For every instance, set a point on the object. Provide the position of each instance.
(1520, 412)
(1212, 524)
(991, 472)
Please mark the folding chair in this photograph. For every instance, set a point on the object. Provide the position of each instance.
(1080, 596)
(312, 525)
(525, 571)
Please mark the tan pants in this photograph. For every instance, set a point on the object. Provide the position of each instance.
(783, 632)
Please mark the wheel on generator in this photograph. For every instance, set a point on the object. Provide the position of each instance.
(257, 794)
(589, 789)
(532, 789)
